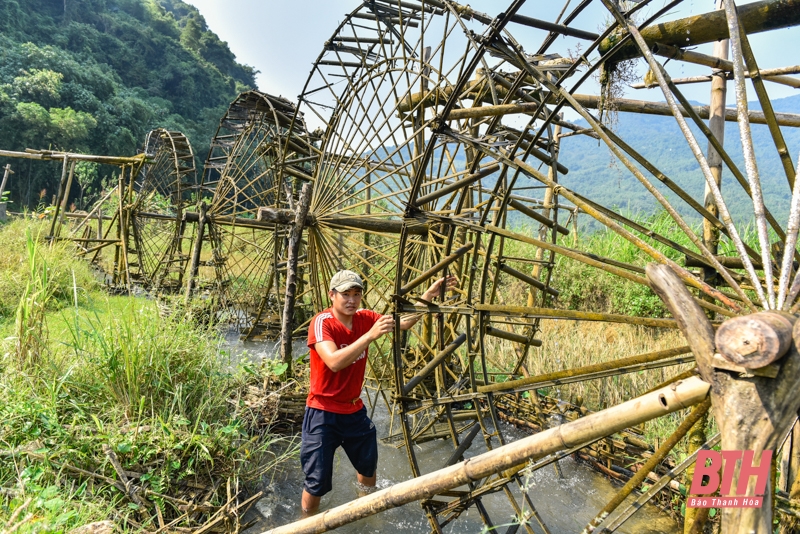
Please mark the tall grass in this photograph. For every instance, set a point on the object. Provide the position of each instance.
(111, 374)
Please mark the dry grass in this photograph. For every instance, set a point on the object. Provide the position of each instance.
(573, 344)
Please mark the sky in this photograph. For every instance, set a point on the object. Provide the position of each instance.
(282, 39)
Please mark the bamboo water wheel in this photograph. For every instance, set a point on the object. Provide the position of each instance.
(259, 158)
(453, 120)
(165, 189)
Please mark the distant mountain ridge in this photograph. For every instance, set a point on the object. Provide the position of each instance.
(659, 139)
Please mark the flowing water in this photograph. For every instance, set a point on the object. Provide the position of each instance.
(565, 503)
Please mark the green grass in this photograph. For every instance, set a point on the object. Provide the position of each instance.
(111, 374)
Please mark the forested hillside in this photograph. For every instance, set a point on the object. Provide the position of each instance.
(95, 76)
(592, 173)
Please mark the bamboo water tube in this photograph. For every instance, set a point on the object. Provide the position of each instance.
(656, 404)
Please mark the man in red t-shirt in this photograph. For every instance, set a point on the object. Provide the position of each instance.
(338, 339)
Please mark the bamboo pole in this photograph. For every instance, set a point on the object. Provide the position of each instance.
(625, 105)
(575, 315)
(708, 27)
(557, 376)
(650, 465)
(47, 155)
(436, 268)
(600, 424)
(291, 276)
(763, 73)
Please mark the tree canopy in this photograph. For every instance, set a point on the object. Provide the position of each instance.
(95, 76)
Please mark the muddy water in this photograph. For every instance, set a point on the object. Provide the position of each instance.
(565, 503)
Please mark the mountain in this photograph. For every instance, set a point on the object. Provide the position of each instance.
(95, 76)
(594, 173)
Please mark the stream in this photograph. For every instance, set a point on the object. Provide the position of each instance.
(565, 504)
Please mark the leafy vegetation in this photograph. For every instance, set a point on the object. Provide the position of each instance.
(95, 76)
(88, 381)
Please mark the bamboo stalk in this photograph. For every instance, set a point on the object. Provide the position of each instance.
(575, 315)
(651, 463)
(48, 155)
(625, 105)
(783, 80)
(591, 427)
(708, 27)
(436, 268)
(557, 376)
(439, 358)
(748, 151)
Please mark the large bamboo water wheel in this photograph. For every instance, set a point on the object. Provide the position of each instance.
(166, 186)
(453, 120)
(259, 158)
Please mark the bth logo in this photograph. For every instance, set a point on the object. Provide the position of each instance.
(726, 462)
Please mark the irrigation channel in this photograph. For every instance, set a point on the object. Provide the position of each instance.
(426, 142)
(565, 497)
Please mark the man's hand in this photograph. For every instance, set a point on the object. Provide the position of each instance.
(338, 358)
(384, 325)
(450, 282)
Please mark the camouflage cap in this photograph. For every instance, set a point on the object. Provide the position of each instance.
(344, 280)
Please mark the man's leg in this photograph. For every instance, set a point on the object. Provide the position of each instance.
(365, 485)
(361, 445)
(319, 442)
(309, 504)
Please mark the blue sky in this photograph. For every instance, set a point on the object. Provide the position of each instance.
(283, 38)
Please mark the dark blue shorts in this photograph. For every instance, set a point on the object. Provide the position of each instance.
(323, 433)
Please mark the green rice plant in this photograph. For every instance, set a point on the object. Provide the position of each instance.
(30, 333)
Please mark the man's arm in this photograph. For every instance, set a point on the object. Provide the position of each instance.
(337, 359)
(450, 282)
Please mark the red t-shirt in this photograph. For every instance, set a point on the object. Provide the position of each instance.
(338, 392)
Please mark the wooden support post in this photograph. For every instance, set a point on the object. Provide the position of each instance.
(198, 248)
(296, 235)
(716, 123)
(61, 184)
(600, 424)
(753, 412)
(6, 174)
(65, 198)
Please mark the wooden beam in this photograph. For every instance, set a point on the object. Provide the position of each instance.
(708, 27)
